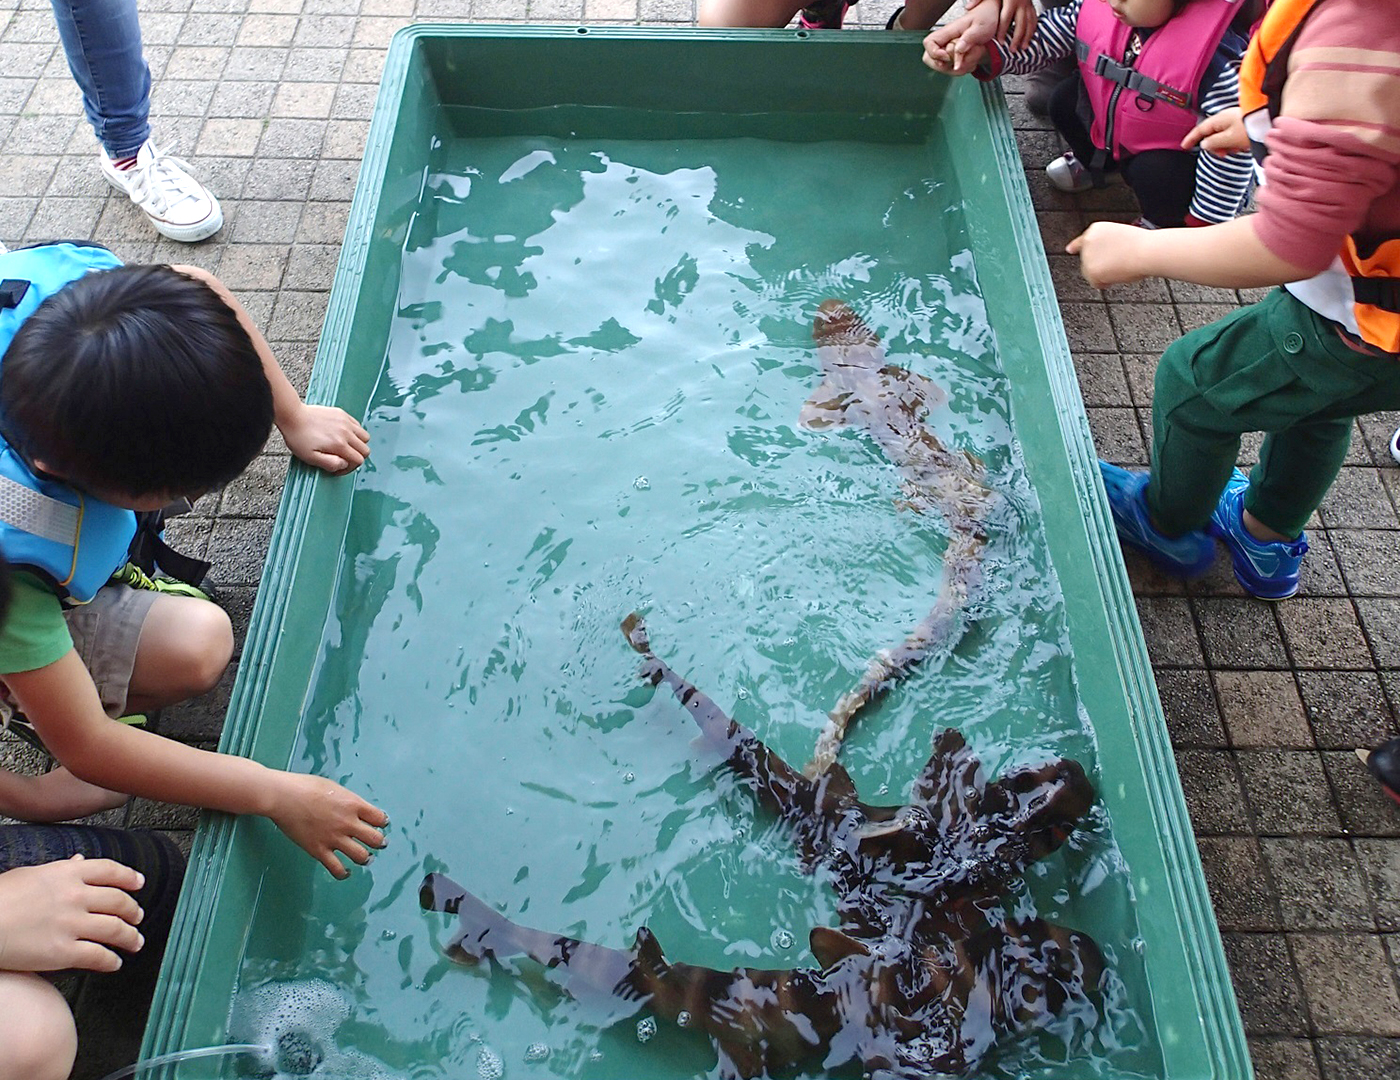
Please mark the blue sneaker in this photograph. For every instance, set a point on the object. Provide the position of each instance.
(1266, 569)
(1184, 556)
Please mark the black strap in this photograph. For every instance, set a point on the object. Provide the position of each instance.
(12, 291)
(150, 552)
(1383, 293)
(1134, 80)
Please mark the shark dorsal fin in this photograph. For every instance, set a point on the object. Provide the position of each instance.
(830, 946)
(953, 778)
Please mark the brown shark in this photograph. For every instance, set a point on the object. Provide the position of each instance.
(919, 979)
(891, 404)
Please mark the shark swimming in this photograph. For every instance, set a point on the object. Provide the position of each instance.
(891, 403)
(922, 977)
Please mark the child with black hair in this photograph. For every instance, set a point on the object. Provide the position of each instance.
(1149, 71)
(74, 898)
(123, 389)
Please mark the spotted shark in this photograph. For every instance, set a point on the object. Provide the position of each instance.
(920, 979)
(860, 389)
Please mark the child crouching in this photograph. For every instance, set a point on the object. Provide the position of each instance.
(1149, 71)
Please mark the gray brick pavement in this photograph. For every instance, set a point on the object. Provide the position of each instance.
(270, 99)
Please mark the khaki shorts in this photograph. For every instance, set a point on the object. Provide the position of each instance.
(106, 633)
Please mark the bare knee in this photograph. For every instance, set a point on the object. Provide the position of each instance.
(185, 646)
(36, 1029)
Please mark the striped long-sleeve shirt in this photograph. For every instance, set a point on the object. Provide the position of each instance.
(1222, 183)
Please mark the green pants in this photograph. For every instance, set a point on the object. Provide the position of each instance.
(1275, 367)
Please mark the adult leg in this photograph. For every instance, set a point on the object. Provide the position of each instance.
(1164, 182)
(102, 41)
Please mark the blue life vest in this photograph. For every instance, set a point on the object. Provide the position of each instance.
(70, 539)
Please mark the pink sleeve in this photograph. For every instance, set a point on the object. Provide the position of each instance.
(1319, 186)
(1333, 166)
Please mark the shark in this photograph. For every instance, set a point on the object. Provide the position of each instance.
(922, 977)
(859, 388)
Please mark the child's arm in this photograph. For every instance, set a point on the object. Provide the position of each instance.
(320, 435)
(1226, 256)
(57, 795)
(318, 814)
(977, 39)
(68, 914)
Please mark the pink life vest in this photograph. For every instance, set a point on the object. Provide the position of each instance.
(1150, 103)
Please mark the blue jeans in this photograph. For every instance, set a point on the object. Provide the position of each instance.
(102, 40)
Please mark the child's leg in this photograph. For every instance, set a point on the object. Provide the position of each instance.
(1065, 113)
(748, 12)
(1296, 468)
(185, 645)
(1243, 374)
(146, 649)
(1164, 182)
(36, 1029)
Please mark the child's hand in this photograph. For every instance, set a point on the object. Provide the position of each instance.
(68, 914)
(323, 818)
(1108, 253)
(1221, 133)
(1017, 19)
(326, 437)
(953, 49)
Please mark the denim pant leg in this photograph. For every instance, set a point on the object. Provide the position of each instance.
(102, 41)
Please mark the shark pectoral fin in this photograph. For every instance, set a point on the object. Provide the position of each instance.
(826, 408)
(929, 394)
(830, 946)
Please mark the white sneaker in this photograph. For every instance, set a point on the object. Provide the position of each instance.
(178, 205)
(1070, 174)
(1395, 445)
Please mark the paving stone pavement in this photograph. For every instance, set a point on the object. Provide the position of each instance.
(271, 101)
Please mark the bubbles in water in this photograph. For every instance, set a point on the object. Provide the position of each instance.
(595, 1057)
(628, 777)
(782, 939)
(742, 693)
(297, 1054)
(641, 483)
(536, 1052)
(489, 1065)
(1139, 946)
(646, 1028)
(682, 1019)
(297, 1020)
(389, 935)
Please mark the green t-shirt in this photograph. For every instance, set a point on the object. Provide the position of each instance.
(34, 633)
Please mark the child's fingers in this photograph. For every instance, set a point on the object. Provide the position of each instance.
(111, 873)
(113, 932)
(103, 900)
(354, 851)
(367, 834)
(90, 956)
(337, 868)
(1074, 245)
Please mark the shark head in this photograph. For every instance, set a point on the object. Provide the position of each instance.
(843, 338)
